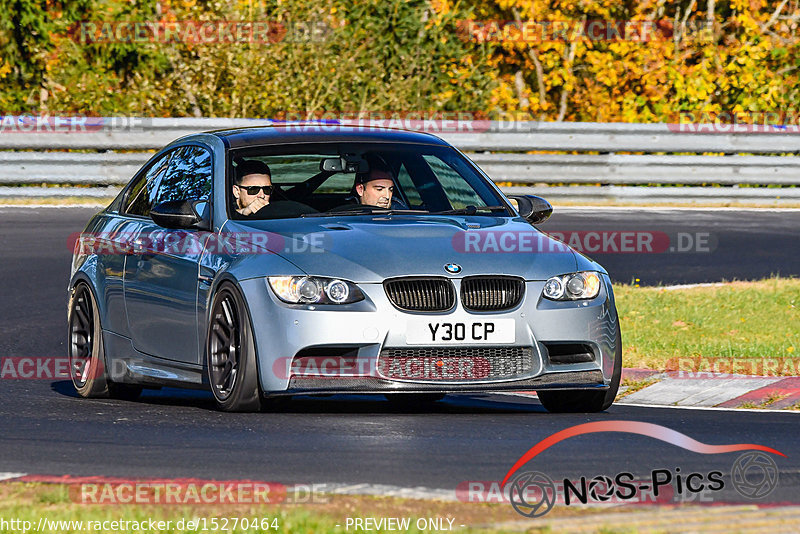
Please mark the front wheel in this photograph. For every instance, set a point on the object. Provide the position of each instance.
(231, 354)
(586, 401)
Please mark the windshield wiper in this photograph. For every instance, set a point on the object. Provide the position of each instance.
(469, 210)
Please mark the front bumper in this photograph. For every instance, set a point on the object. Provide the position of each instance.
(563, 380)
(365, 331)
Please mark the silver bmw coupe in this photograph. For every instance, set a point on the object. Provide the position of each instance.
(266, 262)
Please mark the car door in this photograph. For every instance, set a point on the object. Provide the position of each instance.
(161, 272)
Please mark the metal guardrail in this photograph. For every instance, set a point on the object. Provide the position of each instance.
(104, 168)
(580, 193)
(132, 133)
(114, 168)
(618, 169)
(42, 157)
(656, 195)
(116, 133)
(622, 137)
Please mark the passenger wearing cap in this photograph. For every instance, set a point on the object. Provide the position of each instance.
(252, 186)
(375, 187)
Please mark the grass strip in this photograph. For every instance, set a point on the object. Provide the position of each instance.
(54, 503)
(740, 327)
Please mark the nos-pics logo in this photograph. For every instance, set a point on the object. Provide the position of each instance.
(754, 474)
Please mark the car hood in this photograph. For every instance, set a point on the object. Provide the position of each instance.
(372, 248)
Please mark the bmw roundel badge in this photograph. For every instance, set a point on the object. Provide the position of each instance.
(452, 268)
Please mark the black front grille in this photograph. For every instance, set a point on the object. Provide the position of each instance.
(491, 293)
(421, 294)
(455, 364)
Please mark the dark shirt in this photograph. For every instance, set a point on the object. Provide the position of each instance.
(282, 209)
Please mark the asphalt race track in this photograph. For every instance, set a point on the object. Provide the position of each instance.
(46, 429)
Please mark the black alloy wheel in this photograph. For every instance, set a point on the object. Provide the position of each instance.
(231, 358)
(87, 361)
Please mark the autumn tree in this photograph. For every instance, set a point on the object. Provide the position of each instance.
(737, 55)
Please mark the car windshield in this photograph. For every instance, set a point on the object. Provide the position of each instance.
(346, 179)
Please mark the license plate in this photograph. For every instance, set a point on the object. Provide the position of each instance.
(423, 332)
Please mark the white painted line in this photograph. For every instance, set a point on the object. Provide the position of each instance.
(690, 286)
(10, 476)
(705, 391)
(346, 488)
(621, 402)
(385, 490)
(514, 394)
(726, 390)
(558, 208)
(670, 208)
(26, 206)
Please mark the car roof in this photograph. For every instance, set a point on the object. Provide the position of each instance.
(316, 132)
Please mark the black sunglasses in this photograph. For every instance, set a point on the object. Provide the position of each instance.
(254, 189)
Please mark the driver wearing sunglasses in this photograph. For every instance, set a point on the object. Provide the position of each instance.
(252, 186)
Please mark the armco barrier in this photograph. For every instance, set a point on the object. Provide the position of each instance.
(580, 193)
(114, 168)
(111, 155)
(134, 133)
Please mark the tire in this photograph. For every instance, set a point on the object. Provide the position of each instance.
(586, 401)
(87, 358)
(231, 354)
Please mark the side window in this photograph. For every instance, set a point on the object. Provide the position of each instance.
(458, 190)
(142, 193)
(409, 188)
(188, 176)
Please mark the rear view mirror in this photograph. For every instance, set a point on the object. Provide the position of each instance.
(180, 214)
(332, 165)
(532, 208)
(348, 163)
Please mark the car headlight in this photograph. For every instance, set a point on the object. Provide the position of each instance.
(314, 290)
(575, 286)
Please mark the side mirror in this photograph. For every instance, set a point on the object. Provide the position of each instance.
(180, 214)
(532, 208)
